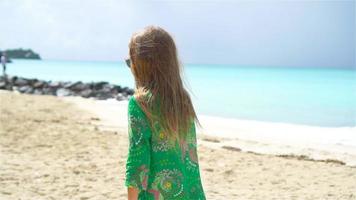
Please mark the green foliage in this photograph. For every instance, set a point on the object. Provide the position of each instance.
(21, 53)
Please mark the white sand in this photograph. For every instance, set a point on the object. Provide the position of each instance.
(52, 149)
(318, 143)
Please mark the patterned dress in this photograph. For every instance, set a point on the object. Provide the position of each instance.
(159, 168)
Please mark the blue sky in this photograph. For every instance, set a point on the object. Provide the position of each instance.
(253, 33)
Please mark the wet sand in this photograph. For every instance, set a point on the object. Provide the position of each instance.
(51, 148)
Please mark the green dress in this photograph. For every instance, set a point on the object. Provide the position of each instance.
(160, 169)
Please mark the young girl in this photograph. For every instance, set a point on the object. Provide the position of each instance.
(162, 162)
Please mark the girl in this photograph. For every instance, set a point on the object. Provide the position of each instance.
(162, 162)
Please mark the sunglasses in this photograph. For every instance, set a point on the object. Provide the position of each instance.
(128, 62)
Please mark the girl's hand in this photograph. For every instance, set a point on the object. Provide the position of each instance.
(132, 193)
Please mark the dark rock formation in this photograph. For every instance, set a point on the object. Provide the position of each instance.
(97, 90)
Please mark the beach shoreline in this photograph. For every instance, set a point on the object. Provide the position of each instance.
(52, 148)
(328, 144)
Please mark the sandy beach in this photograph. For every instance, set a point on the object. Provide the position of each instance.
(67, 148)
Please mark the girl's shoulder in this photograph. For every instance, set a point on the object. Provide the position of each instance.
(135, 102)
(141, 96)
(137, 98)
(134, 107)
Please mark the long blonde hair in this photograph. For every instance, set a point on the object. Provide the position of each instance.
(156, 68)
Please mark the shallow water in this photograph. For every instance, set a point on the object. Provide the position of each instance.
(311, 96)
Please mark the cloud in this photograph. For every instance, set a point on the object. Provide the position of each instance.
(260, 33)
(58, 27)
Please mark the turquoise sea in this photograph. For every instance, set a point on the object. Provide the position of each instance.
(311, 96)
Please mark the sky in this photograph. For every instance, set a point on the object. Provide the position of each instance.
(290, 33)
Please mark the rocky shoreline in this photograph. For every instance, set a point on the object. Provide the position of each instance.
(97, 90)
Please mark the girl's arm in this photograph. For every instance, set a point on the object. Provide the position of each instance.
(138, 160)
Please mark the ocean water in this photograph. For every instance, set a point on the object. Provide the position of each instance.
(310, 96)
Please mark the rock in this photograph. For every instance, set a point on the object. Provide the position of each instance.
(8, 87)
(113, 89)
(120, 97)
(32, 81)
(25, 89)
(62, 92)
(102, 95)
(131, 92)
(11, 79)
(49, 91)
(107, 88)
(99, 90)
(39, 84)
(22, 89)
(86, 93)
(98, 85)
(54, 84)
(37, 92)
(2, 85)
(70, 85)
(20, 82)
(117, 88)
(80, 86)
(127, 91)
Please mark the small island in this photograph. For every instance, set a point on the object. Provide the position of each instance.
(21, 54)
